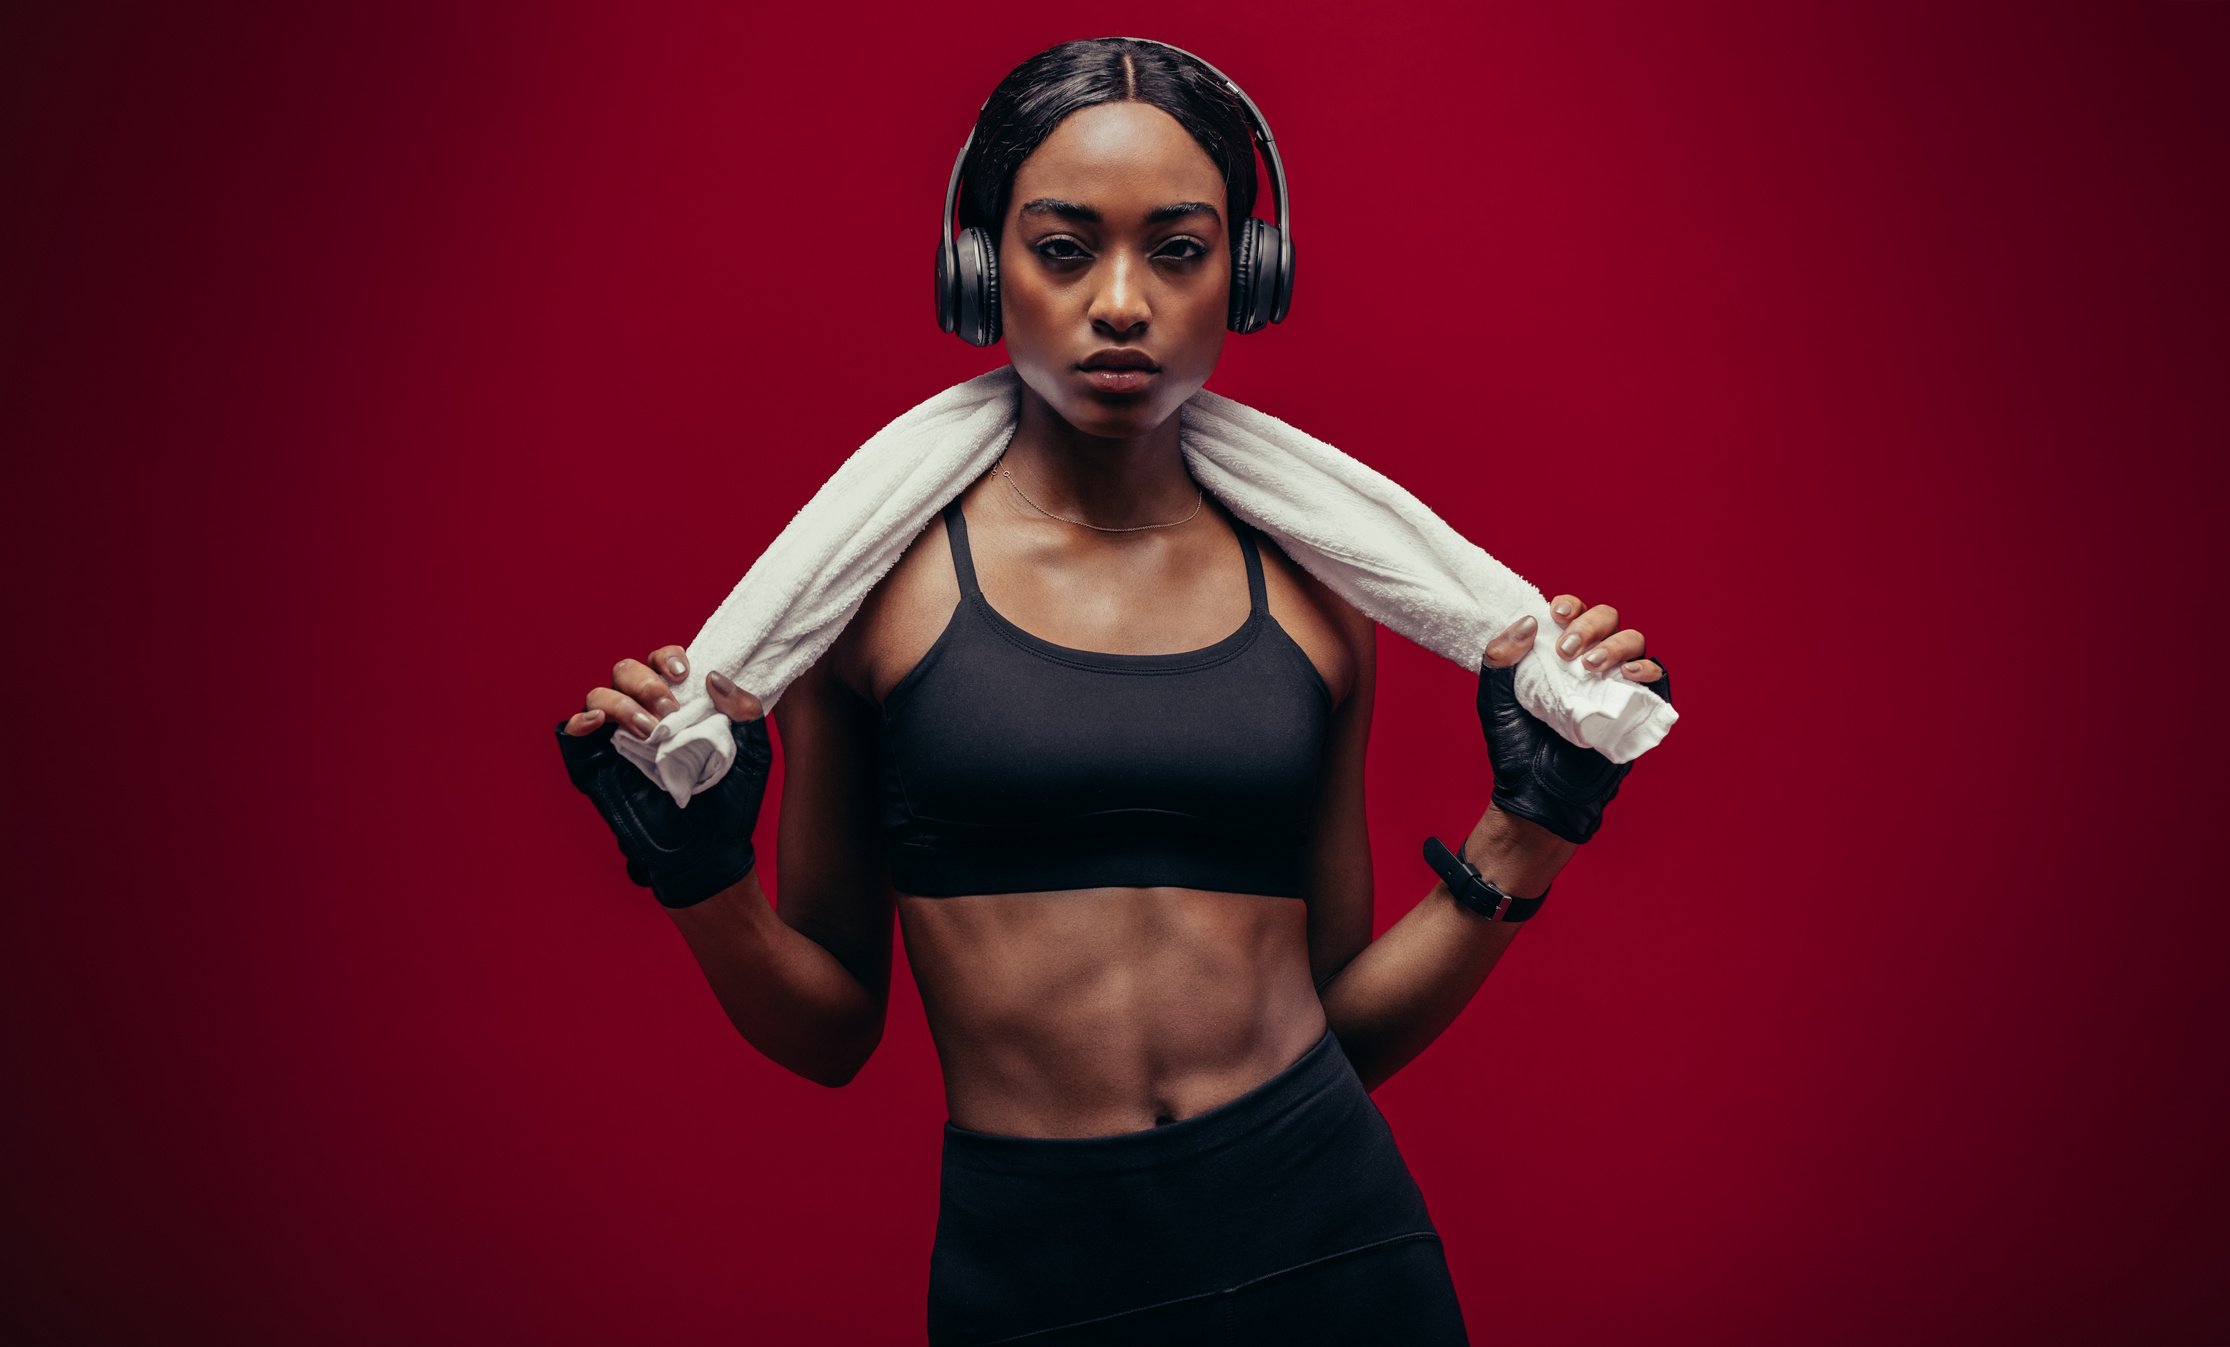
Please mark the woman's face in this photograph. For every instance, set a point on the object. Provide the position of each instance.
(1115, 237)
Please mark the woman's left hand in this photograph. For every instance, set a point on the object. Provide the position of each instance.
(1593, 637)
(1538, 775)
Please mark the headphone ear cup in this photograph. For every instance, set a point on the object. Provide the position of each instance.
(948, 287)
(1242, 278)
(1285, 264)
(1255, 281)
(975, 288)
(994, 325)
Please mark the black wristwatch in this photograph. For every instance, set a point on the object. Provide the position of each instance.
(1474, 890)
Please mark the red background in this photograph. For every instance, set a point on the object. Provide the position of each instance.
(374, 378)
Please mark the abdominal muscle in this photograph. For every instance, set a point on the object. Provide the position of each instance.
(1094, 1012)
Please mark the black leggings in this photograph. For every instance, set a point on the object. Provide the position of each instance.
(1285, 1216)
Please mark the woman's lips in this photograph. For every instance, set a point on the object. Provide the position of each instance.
(1119, 380)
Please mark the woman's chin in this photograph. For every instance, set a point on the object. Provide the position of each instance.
(1119, 417)
(1105, 415)
(1113, 424)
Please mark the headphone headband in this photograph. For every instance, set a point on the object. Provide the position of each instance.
(1261, 128)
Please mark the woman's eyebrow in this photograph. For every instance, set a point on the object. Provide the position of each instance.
(1071, 210)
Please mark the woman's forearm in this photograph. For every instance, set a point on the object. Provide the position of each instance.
(790, 998)
(1395, 997)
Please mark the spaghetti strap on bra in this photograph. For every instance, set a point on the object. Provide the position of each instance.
(963, 561)
(1258, 595)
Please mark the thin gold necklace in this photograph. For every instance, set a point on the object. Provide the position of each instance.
(1016, 487)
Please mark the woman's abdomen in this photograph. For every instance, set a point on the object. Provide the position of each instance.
(1095, 1012)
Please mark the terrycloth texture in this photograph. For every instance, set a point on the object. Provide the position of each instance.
(1362, 534)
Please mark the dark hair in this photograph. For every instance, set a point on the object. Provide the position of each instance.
(1038, 94)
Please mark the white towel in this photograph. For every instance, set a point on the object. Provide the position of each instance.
(1369, 540)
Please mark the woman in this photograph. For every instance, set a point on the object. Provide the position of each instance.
(1111, 743)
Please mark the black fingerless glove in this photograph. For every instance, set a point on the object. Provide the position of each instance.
(683, 856)
(1538, 774)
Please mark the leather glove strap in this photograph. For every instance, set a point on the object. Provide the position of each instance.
(683, 856)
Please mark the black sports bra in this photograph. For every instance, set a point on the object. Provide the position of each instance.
(1011, 764)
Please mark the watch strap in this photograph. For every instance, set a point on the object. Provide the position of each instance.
(1474, 890)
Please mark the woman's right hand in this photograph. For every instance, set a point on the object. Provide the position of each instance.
(1538, 775)
(683, 856)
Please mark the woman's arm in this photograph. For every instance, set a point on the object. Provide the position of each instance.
(1394, 997)
(808, 985)
(1388, 999)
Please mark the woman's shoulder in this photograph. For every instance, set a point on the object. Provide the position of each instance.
(1337, 637)
(1351, 621)
(901, 614)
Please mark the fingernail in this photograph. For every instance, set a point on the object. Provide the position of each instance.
(591, 717)
(1524, 626)
(1564, 609)
(1633, 666)
(675, 667)
(644, 724)
(1570, 643)
(720, 683)
(1597, 657)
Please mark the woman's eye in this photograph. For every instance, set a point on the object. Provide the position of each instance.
(1066, 250)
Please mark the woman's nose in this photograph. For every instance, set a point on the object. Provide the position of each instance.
(1119, 302)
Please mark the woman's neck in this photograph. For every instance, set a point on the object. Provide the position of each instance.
(1114, 483)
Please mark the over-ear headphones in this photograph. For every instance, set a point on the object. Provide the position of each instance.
(1261, 266)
